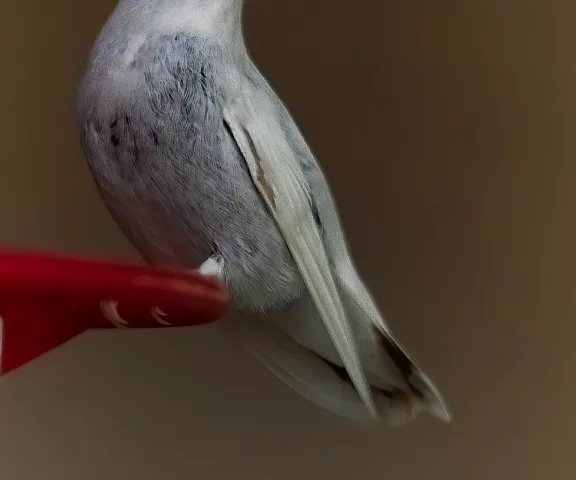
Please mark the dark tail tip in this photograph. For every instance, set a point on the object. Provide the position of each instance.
(420, 385)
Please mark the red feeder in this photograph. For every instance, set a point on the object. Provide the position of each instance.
(47, 300)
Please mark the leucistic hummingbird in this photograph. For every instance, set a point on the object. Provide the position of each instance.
(200, 163)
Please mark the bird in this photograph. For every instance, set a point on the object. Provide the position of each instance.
(202, 166)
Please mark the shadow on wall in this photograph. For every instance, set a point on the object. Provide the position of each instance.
(445, 130)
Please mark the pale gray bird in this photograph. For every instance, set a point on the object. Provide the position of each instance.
(200, 163)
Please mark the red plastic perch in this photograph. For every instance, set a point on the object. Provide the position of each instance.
(46, 300)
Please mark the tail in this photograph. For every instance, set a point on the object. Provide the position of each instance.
(300, 368)
(360, 305)
(295, 346)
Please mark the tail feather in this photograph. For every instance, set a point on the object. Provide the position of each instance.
(302, 370)
(361, 305)
(318, 380)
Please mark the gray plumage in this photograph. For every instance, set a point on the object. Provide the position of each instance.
(170, 171)
(199, 161)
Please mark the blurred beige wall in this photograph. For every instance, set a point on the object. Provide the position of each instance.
(447, 131)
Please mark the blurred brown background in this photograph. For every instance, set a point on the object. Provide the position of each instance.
(446, 130)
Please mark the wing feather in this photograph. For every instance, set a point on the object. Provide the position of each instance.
(280, 180)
